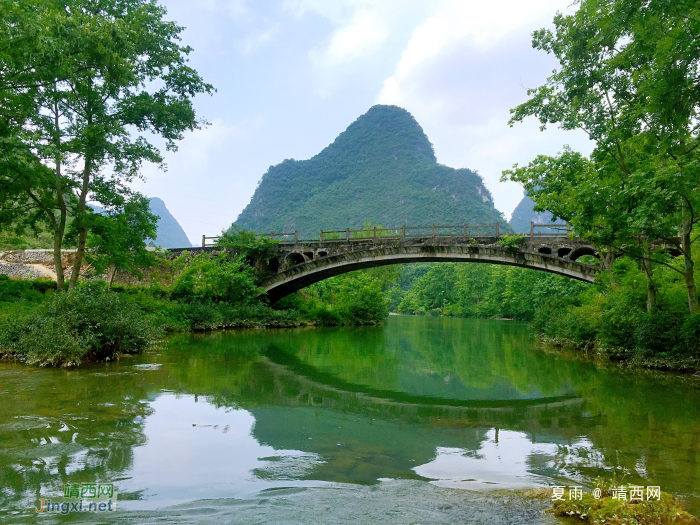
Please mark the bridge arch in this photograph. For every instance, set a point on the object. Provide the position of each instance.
(294, 259)
(304, 272)
(581, 251)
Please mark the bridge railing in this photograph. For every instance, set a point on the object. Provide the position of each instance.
(549, 230)
(402, 232)
(459, 231)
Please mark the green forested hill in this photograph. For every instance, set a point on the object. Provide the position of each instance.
(382, 169)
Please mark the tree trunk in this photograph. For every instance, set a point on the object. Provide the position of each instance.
(649, 272)
(58, 260)
(688, 266)
(607, 259)
(59, 227)
(59, 232)
(82, 235)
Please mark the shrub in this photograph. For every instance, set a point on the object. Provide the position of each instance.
(325, 316)
(89, 322)
(249, 245)
(12, 290)
(203, 316)
(511, 242)
(690, 333)
(217, 278)
(659, 332)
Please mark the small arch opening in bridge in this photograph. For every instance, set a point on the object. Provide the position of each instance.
(545, 250)
(563, 252)
(580, 252)
(273, 265)
(321, 253)
(309, 255)
(295, 258)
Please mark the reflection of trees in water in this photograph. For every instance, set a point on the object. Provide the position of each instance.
(649, 425)
(360, 433)
(336, 387)
(66, 427)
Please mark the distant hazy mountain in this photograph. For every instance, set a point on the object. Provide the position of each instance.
(170, 233)
(382, 169)
(524, 214)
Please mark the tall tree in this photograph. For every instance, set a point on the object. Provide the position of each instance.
(629, 76)
(29, 55)
(116, 71)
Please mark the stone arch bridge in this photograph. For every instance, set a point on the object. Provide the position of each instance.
(299, 263)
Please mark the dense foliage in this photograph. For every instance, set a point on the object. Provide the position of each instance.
(256, 249)
(628, 77)
(194, 292)
(612, 317)
(484, 290)
(83, 87)
(609, 317)
(355, 298)
(89, 322)
(382, 169)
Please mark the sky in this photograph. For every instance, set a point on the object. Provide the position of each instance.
(291, 75)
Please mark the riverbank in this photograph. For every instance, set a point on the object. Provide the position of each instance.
(680, 363)
(95, 322)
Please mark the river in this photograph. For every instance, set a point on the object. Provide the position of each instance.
(425, 420)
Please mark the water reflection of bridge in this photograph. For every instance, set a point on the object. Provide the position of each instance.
(300, 385)
(364, 434)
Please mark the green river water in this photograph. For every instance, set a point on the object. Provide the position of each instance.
(422, 420)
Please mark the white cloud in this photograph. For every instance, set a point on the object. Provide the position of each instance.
(235, 9)
(361, 27)
(480, 25)
(335, 11)
(252, 42)
(462, 69)
(217, 26)
(364, 34)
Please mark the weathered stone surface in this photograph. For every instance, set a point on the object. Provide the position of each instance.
(44, 257)
(31, 264)
(298, 265)
(19, 271)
